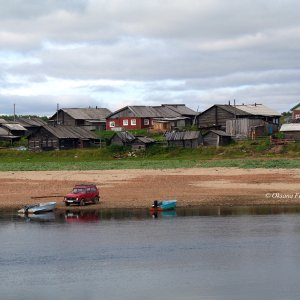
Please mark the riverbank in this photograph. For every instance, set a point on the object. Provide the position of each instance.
(138, 188)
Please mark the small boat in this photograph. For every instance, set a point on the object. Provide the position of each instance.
(37, 208)
(163, 205)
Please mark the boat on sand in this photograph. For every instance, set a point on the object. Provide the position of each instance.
(37, 208)
(163, 205)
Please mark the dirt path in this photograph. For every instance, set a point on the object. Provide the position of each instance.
(138, 188)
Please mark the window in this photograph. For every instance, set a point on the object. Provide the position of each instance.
(146, 122)
(297, 116)
(133, 122)
(112, 124)
(125, 122)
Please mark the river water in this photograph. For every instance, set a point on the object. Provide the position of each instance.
(217, 253)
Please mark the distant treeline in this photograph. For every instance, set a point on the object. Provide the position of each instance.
(11, 117)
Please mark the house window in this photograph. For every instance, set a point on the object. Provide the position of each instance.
(146, 122)
(125, 122)
(133, 122)
(112, 124)
(297, 116)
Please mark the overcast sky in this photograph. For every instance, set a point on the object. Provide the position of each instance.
(112, 53)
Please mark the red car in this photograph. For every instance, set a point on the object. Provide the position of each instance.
(83, 194)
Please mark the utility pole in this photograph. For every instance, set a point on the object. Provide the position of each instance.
(57, 108)
(14, 112)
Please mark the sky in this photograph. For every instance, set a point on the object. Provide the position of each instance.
(113, 53)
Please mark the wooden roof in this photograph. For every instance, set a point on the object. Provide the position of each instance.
(70, 132)
(182, 135)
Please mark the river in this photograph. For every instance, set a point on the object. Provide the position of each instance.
(208, 253)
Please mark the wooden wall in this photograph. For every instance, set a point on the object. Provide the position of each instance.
(215, 117)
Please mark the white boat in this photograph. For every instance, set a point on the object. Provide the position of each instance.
(37, 208)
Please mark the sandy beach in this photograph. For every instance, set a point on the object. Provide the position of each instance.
(138, 188)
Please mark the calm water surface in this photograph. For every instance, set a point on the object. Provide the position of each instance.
(241, 253)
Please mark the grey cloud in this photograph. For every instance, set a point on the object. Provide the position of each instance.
(19, 9)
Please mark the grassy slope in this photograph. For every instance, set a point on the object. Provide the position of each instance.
(249, 154)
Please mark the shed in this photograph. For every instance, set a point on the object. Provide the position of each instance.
(141, 143)
(122, 138)
(291, 131)
(216, 138)
(184, 139)
(49, 137)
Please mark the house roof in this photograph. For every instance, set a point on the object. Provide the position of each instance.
(219, 132)
(13, 126)
(145, 139)
(86, 113)
(125, 136)
(163, 111)
(247, 110)
(181, 109)
(182, 135)
(258, 109)
(31, 122)
(70, 132)
(295, 107)
(290, 127)
(6, 134)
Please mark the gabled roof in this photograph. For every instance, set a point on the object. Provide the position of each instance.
(295, 107)
(125, 136)
(219, 132)
(13, 126)
(181, 109)
(70, 132)
(259, 110)
(142, 111)
(31, 122)
(145, 140)
(86, 113)
(247, 110)
(163, 111)
(182, 135)
(290, 127)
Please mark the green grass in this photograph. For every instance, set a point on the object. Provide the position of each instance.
(247, 154)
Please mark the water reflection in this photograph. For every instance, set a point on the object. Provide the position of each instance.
(97, 215)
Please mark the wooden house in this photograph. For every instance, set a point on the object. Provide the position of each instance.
(13, 128)
(216, 138)
(184, 139)
(296, 113)
(291, 131)
(216, 116)
(142, 117)
(30, 124)
(49, 137)
(88, 118)
(6, 135)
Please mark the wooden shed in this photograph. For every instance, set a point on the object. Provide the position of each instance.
(122, 138)
(216, 138)
(49, 137)
(291, 131)
(141, 143)
(184, 139)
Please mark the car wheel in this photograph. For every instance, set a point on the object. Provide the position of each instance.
(82, 203)
(96, 200)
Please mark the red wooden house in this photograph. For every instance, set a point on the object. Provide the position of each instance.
(141, 117)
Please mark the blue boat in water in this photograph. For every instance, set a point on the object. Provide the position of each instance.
(164, 205)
